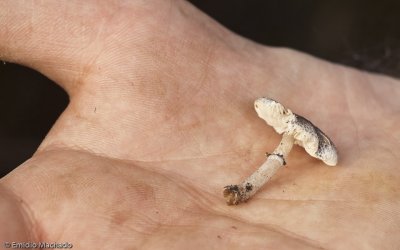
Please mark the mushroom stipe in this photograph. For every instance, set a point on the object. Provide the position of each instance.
(295, 129)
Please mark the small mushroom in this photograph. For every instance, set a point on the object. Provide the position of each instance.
(295, 129)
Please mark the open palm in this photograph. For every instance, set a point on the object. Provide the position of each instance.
(161, 118)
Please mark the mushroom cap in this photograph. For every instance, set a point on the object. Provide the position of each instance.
(305, 134)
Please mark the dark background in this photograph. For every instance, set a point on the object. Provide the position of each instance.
(362, 34)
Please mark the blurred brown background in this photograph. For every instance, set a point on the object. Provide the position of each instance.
(362, 34)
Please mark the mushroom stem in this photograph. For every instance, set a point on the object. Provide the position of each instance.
(235, 194)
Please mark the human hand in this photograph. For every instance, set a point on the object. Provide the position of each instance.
(161, 118)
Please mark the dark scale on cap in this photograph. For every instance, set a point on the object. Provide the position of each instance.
(323, 140)
(306, 124)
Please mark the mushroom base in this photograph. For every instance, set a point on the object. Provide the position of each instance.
(235, 194)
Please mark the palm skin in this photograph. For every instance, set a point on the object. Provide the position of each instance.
(161, 118)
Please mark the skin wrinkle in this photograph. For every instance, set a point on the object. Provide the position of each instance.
(87, 69)
(28, 216)
(197, 141)
(391, 151)
(300, 200)
(389, 135)
(346, 90)
(173, 181)
(373, 102)
(276, 229)
(60, 147)
(34, 229)
(205, 203)
(147, 225)
(232, 235)
(211, 28)
(120, 228)
(223, 154)
(279, 229)
(167, 19)
(181, 181)
(199, 85)
(375, 95)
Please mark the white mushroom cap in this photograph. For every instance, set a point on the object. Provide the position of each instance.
(306, 134)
